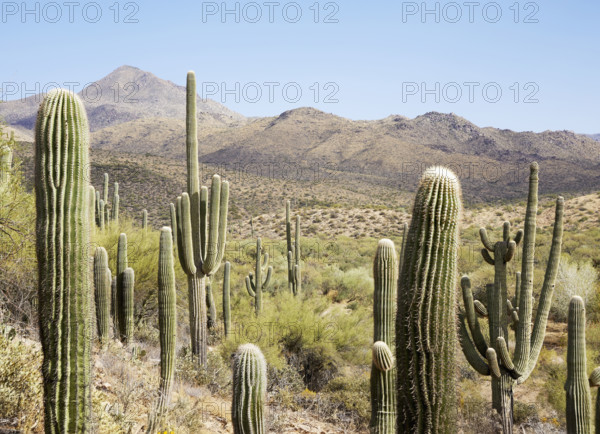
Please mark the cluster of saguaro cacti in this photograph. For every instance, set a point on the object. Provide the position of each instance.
(493, 357)
(102, 295)
(62, 230)
(124, 296)
(226, 299)
(293, 252)
(383, 377)
(249, 390)
(101, 209)
(254, 282)
(201, 229)
(6, 157)
(425, 320)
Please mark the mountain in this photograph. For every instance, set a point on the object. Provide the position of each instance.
(594, 136)
(124, 95)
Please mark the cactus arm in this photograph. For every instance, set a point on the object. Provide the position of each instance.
(173, 214)
(518, 237)
(510, 252)
(485, 240)
(517, 289)
(210, 262)
(506, 232)
(492, 360)
(478, 338)
(541, 319)
(265, 262)
(505, 358)
(249, 287)
(223, 208)
(203, 221)
(523, 332)
(471, 353)
(487, 257)
(186, 254)
(191, 135)
(268, 279)
(480, 309)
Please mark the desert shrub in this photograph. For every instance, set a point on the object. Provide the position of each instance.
(21, 384)
(573, 279)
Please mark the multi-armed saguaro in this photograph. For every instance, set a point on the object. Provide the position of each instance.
(102, 282)
(383, 377)
(254, 282)
(293, 252)
(482, 356)
(425, 321)
(201, 229)
(62, 241)
(249, 390)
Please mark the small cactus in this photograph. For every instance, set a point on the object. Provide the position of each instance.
(254, 283)
(383, 391)
(226, 299)
(577, 387)
(249, 390)
(102, 283)
(293, 252)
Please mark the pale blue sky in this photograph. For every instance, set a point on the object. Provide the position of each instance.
(368, 57)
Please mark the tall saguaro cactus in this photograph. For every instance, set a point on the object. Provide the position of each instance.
(102, 283)
(482, 356)
(226, 299)
(167, 315)
(62, 240)
(126, 306)
(122, 265)
(293, 252)
(105, 189)
(249, 390)
(425, 322)
(254, 283)
(383, 377)
(577, 387)
(201, 229)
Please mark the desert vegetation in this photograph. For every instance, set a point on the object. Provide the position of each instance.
(334, 312)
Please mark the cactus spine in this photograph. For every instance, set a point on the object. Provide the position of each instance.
(577, 387)
(102, 283)
(254, 283)
(482, 356)
(226, 299)
(425, 323)
(167, 315)
(201, 229)
(115, 204)
(62, 241)
(293, 252)
(383, 391)
(249, 390)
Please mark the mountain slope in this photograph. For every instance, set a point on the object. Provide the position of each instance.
(126, 94)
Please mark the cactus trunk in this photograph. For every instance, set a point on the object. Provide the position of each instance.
(211, 319)
(62, 240)
(425, 324)
(249, 390)
(383, 386)
(115, 204)
(167, 316)
(226, 300)
(126, 306)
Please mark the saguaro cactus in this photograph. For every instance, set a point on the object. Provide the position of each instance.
(254, 283)
(62, 241)
(201, 229)
(173, 213)
(102, 215)
(167, 315)
(595, 382)
(102, 282)
(98, 208)
(105, 189)
(425, 324)
(126, 306)
(115, 203)
(249, 390)
(144, 219)
(6, 156)
(577, 387)
(383, 387)
(293, 252)
(482, 356)
(92, 208)
(226, 299)
(122, 265)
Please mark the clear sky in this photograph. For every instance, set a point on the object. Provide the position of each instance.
(361, 60)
